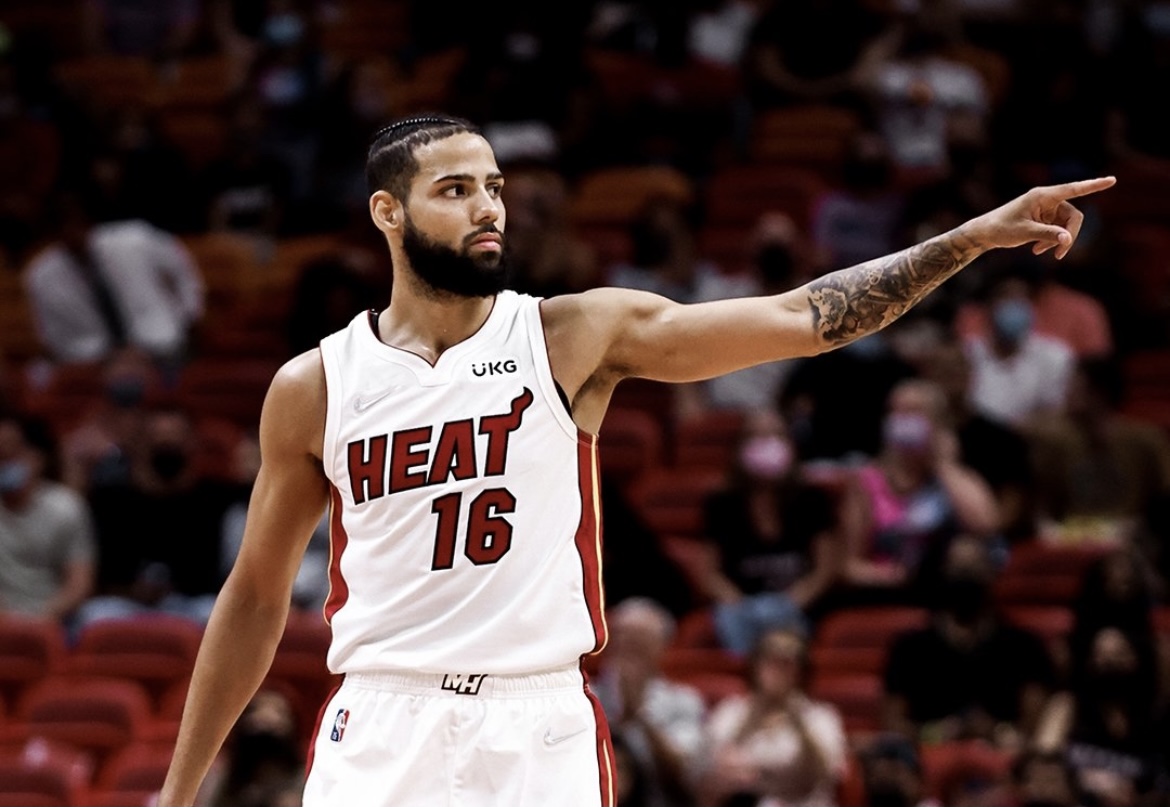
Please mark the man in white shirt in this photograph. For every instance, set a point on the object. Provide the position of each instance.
(101, 287)
(1017, 375)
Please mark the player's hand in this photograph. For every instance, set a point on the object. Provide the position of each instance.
(1042, 217)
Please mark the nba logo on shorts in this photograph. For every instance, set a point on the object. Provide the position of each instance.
(339, 725)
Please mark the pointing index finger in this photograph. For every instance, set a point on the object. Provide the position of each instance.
(1084, 187)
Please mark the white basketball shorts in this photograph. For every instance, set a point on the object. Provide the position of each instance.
(421, 740)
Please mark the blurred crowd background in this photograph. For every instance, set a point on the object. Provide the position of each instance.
(929, 568)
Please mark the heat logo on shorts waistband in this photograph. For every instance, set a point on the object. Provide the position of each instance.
(339, 723)
(463, 684)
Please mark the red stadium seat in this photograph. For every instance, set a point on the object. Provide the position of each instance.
(856, 640)
(31, 649)
(857, 696)
(671, 500)
(708, 440)
(156, 650)
(629, 444)
(137, 768)
(97, 715)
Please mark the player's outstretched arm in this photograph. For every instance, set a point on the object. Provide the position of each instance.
(623, 333)
(287, 501)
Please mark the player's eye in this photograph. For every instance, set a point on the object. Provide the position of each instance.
(455, 190)
(495, 189)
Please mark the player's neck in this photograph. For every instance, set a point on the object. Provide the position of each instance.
(427, 325)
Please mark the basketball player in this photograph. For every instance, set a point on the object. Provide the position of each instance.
(453, 437)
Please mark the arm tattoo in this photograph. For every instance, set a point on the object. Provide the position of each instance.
(851, 303)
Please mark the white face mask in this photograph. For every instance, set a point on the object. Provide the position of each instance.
(907, 431)
(766, 457)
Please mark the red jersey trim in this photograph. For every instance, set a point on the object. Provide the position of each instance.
(588, 537)
(338, 540)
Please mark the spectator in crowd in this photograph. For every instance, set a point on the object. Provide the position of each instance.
(666, 258)
(774, 745)
(822, 51)
(96, 450)
(101, 287)
(998, 676)
(980, 777)
(547, 257)
(311, 586)
(779, 257)
(159, 533)
(331, 289)
(1097, 470)
(47, 548)
(660, 722)
(1060, 312)
(155, 29)
(773, 548)
(630, 789)
(244, 189)
(262, 763)
(1018, 376)
(827, 425)
(1044, 779)
(631, 548)
(997, 452)
(134, 166)
(899, 510)
(1107, 723)
(857, 220)
(924, 99)
(891, 773)
(1118, 590)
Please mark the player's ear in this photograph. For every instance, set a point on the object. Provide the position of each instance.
(386, 211)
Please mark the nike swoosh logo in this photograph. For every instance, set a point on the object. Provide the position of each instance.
(363, 402)
(550, 739)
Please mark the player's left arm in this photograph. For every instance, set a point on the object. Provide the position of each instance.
(651, 337)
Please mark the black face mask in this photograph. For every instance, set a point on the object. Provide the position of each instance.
(168, 462)
(887, 795)
(651, 246)
(775, 264)
(454, 272)
(965, 598)
(126, 393)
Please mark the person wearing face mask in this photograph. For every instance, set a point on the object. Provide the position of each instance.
(1018, 376)
(898, 510)
(997, 676)
(1107, 723)
(773, 549)
(47, 546)
(159, 531)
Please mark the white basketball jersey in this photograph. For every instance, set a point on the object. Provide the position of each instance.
(465, 526)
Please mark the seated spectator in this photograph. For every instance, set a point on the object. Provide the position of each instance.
(857, 221)
(96, 451)
(1107, 722)
(891, 773)
(1118, 590)
(774, 549)
(159, 533)
(311, 585)
(101, 287)
(1078, 320)
(778, 259)
(924, 100)
(997, 676)
(813, 52)
(1018, 376)
(547, 257)
(997, 452)
(262, 762)
(630, 548)
(831, 422)
(660, 722)
(47, 543)
(666, 259)
(774, 746)
(900, 509)
(1098, 470)
(1044, 779)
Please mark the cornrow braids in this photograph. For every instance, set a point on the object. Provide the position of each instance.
(390, 162)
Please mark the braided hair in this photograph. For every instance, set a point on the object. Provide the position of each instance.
(390, 161)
